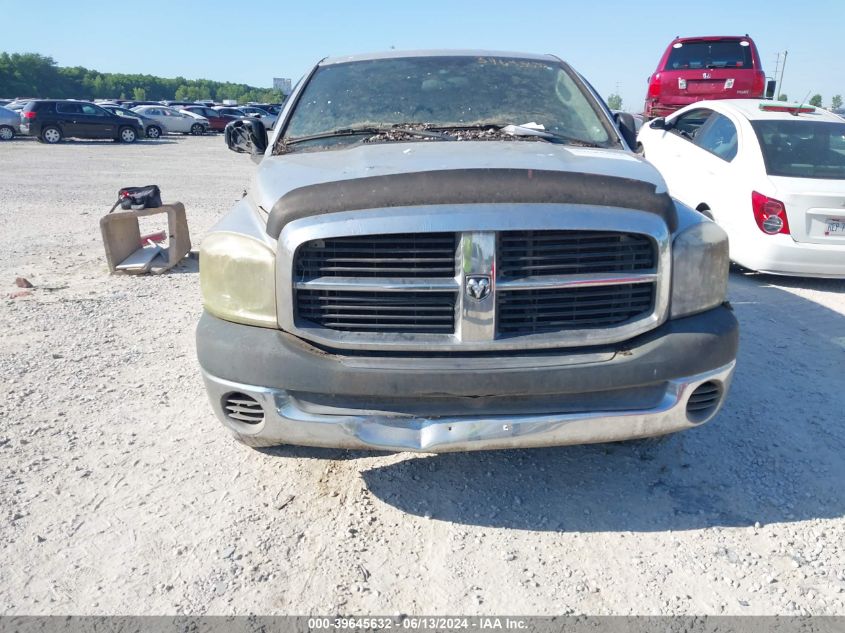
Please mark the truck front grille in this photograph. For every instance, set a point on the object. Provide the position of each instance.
(531, 253)
(398, 312)
(395, 255)
(555, 309)
(471, 289)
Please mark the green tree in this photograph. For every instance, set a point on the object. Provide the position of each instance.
(816, 100)
(836, 102)
(187, 93)
(614, 102)
(34, 75)
(29, 74)
(782, 97)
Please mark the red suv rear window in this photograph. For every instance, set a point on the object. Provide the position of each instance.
(715, 54)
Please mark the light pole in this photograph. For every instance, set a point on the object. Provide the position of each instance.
(779, 91)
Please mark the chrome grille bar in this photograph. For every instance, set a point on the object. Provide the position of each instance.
(574, 281)
(378, 284)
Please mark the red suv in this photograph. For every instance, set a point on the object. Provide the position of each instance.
(697, 68)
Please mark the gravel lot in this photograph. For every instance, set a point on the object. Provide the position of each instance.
(121, 493)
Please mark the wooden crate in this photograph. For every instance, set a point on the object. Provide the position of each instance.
(122, 237)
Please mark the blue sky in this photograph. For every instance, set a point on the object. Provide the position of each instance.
(612, 43)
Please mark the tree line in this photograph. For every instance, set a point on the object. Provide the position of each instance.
(34, 75)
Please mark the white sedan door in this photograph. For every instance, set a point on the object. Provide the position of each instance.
(674, 154)
(721, 188)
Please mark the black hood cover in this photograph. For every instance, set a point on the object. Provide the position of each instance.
(470, 186)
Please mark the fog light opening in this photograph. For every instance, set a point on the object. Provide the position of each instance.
(241, 408)
(704, 401)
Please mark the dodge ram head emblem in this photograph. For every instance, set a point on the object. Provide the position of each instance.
(478, 287)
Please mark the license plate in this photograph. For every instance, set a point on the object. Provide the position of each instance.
(834, 226)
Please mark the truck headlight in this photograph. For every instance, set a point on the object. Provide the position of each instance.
(237, 279)
(700, 265)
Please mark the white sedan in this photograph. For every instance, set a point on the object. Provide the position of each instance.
(173, 120)
(771, 174)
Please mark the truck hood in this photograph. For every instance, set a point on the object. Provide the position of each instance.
(278, 175)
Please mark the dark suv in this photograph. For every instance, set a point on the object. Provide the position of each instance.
(51, 120)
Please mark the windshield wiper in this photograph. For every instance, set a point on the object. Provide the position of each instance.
(444, 133)
(398, 129)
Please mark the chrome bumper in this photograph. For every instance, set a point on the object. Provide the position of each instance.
(286, 422)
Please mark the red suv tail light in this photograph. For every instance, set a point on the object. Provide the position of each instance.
(654, 86)
(770, 214)
(758, 87)
(29, 115)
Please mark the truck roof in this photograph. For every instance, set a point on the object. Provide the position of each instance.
(434, 53)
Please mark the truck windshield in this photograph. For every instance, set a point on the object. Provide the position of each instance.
(802, 149)
(448, 92)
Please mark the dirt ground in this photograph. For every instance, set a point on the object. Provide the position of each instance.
(121, 493)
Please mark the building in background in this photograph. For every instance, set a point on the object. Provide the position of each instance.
(283, 84)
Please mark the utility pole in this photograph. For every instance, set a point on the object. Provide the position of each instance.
(779, 91)
(777, 66)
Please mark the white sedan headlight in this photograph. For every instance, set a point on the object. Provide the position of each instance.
(700, 265)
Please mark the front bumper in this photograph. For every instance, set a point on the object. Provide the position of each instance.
(285, 422)
(473, 402)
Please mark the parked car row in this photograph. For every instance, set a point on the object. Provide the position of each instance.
(52, 120)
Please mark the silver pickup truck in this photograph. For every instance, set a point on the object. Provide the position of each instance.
(457, 250)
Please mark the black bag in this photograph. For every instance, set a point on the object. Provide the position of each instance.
(138, 198)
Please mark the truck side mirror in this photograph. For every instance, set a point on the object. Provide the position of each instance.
(770, 88)
(628, 128)
(246, 136)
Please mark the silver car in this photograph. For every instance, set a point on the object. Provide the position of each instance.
(10, 124)
(267, 119)
(173, 120)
